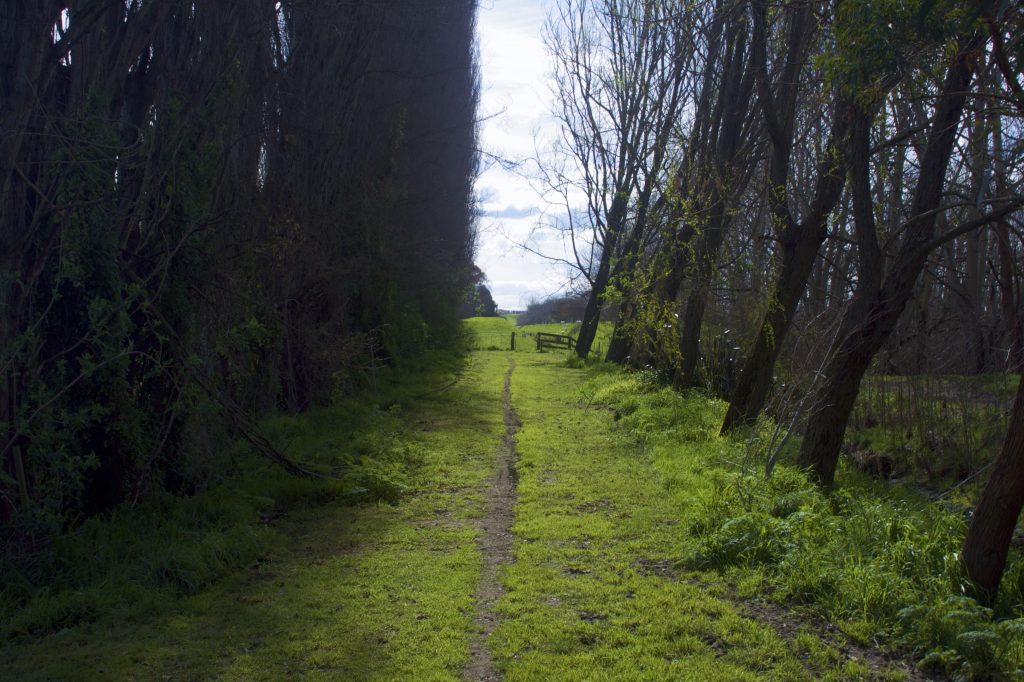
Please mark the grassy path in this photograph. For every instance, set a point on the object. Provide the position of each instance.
(495, 542)
(593, 593)
(436, 587)
(371, 593)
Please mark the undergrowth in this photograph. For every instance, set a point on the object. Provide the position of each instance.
(881, 561)
(941, 430)
(134, 561)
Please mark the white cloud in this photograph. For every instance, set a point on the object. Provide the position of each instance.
(515, 104)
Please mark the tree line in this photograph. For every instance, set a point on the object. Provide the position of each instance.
(210, 211)
(799, 193)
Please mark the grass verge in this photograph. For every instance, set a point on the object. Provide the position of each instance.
(341, 582)
(880, 561)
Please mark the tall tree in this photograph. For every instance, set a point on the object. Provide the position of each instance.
(798, 241)
(879, 300)
(988, 539)
(619, 73)
(221, 203)
(717, 188)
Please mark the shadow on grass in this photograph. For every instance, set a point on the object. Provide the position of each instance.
(334, 580)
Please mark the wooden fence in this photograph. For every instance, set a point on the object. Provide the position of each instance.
(545, 340)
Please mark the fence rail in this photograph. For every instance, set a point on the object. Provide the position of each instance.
(507, 341)
(545, 340)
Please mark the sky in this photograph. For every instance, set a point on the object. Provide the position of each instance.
(516, 113)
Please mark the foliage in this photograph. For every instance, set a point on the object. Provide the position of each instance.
(594, 587)
(190, 241)
(137, 560)
(882, 561)
(339, 585)
(939, 429)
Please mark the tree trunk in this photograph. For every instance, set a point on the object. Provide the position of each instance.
(592, 313)
(988, 538)
(693, 315)
(871, 319)
(1009, 285)
(800, 244)
(618, 347)
(799, 252)
(1010, 298)
(734, 105)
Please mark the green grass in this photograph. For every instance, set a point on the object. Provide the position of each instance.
(642, 540)
(382, 590)
(490, 333)
(938, 430)
(494, 333)
(135, 561)
(595, 592)
(881, 561)
(601, 339)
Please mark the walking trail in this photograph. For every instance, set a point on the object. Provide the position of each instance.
(535, 540)
(495, 542)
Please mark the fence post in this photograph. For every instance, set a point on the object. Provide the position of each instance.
(513, 340)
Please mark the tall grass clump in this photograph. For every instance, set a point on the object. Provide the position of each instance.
(932, 428)
(881, 561)
(132, 561)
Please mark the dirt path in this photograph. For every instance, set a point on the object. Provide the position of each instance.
(495, 542)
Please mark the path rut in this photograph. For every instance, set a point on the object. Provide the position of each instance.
(495, 543)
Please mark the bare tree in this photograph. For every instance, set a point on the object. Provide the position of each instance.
(880, 299)
(799, 241)
(619, 76)
(716, 131)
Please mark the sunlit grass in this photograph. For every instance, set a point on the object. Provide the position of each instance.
(879, 560)
(598, 348)
(639, 536)
(596, 592)
(380, 590)
(490, 333)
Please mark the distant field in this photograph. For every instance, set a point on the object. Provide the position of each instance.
(490, 333)
(604, 333)
(495, 333)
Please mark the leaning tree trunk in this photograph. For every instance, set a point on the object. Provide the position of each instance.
(800, 244)
(988, 538)
(696, 303)
(734, 100)
(799, 250)
(1010, 294)
(867, 331)
(592, 313)
(1010, 298)
(618, 345)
